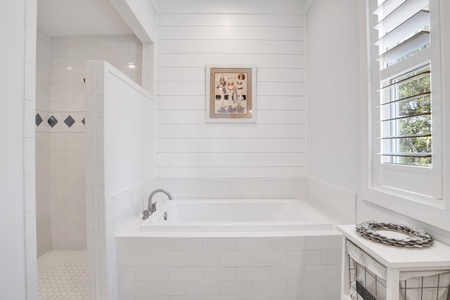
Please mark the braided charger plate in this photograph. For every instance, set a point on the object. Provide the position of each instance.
(415, 238)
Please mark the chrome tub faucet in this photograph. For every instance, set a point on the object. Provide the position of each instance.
(152, 206)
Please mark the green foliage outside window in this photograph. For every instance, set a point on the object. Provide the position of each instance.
(419, 108)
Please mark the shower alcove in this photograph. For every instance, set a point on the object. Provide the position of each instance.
(63, 43)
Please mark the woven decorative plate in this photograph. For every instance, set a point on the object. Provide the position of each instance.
(415, 238)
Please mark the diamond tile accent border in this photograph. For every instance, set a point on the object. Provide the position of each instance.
(38, 119)
(69, 121)
(52, 121)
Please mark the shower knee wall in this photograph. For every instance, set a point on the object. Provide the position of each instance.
(60, 148)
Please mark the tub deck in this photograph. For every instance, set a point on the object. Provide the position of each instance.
(241, 215)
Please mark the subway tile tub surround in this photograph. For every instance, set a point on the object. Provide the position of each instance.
(278, 263)
(302, 265)
(229, 266)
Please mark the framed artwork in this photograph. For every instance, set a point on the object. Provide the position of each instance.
(231, 94)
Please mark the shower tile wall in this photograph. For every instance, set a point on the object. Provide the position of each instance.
(61, 116)
(68, 191)
(69, 55)
(336, 202)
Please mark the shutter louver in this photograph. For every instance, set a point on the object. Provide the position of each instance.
(405, 88)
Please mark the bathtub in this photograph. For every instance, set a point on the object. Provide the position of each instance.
(230, 248)
(234, 216)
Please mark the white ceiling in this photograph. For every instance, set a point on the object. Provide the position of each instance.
(79, 17)
(88, 17)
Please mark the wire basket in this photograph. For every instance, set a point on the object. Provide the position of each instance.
(367, 279)
(364, 284)
(433, 287)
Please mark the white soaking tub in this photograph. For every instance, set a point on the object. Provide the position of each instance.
(234, 216)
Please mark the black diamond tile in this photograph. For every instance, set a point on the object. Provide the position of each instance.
(69, 121)
(83, 121)
(38, 119)
(52, 121)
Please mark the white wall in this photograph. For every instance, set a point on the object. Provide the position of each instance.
(140, 17)
(43, 161)
(12, 226)
(333, 92)
(18, 278)
(120, 165)
(196, 33)
(337, 84)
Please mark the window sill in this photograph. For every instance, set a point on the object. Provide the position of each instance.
(425, 209)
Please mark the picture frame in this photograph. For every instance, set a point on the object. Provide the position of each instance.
(230, 94)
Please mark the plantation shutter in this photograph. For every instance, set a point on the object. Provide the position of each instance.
(403, 51)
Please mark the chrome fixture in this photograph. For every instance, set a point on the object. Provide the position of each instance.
(152, 206)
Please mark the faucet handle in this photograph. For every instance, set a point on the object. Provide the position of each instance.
(145, 215)
(153, 207)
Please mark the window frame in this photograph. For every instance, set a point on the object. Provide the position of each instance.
(435, 208)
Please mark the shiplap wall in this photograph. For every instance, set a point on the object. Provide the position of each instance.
(269, 34)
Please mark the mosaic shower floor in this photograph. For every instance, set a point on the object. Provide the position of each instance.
(62, 275)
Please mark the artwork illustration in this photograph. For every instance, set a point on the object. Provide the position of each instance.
(231, 94)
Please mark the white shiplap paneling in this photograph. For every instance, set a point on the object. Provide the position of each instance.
(181, 88)
(281, 103)
(283, 75)
(231, 7)
(198, 60)
(213, 131)
(184, 74)
(231, 145)
(193, 34)
(221, 19)
(231, 46)
(198, 117)
(180, 102)
(263, 74)
(264, 102)
(231, 32)
(230, 159)
(232, 172)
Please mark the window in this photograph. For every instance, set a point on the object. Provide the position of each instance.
(406, 157)
(405, 107)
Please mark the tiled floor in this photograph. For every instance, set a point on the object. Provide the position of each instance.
(62, 275)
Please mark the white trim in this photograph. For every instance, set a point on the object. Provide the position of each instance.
(426, 212)
(406, 65)
(308, 4)
(410, 179)
(108, 68)
(430, 210)
(155, 4)
(438, 100)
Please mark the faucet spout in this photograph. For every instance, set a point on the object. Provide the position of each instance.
(152, 206)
